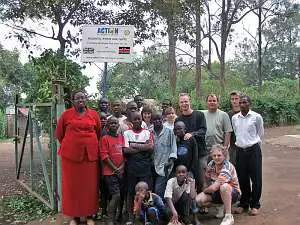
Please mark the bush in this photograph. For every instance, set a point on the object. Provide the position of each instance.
(278, 101)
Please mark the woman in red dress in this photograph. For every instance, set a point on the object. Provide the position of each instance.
(78, 131)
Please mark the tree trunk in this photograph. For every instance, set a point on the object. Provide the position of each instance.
(172, 55)
(298, 59)
(209, 43)
(62, 41)
(223, 47)
(198, 49)
(259, 56)
(222, 75)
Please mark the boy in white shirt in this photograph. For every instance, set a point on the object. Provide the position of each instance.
(180, 196)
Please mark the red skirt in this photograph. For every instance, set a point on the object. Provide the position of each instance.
(80, 187)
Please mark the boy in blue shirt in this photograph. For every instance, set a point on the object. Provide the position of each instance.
(148, 207)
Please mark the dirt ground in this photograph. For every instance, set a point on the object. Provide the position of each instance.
(281, 186)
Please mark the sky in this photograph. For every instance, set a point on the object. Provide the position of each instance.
(94, 71)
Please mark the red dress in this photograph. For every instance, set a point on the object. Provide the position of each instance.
(79, 139)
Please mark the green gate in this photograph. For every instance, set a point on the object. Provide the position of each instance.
(37, 164)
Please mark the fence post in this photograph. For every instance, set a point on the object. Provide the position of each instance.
(16, 139)
(58, 98)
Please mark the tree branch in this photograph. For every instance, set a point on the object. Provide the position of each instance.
(216, 47)
(245, 14)
(77, 4)
(185, 52)
(15, 27)
(251, 35)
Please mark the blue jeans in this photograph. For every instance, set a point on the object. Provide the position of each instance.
(160, 185)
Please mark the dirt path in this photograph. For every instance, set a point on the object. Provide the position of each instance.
(281, 186)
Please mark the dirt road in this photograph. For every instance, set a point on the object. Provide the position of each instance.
(281, 181)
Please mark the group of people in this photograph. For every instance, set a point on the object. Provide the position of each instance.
(157, 167)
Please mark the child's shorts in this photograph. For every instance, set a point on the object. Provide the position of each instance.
(146, 212)
(216, 197)
(114, 184)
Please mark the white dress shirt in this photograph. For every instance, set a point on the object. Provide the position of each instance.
(249, 129)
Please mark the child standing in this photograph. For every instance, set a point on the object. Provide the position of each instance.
(103, 119)
(170, 117)
(180, 196)
(113, 164)
(148, 207)
(138, 150)
(187, 152)
(165, 152)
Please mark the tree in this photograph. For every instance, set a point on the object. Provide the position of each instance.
(147, 75)
(229, 12)
(13, 77)
(61, 13)
(279, 48)
(282, 33)
(49, 66)
(266, 9)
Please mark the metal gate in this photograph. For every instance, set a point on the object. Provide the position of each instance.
(37, 164)
(35, 150)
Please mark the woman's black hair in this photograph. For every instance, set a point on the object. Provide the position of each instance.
(77, 91)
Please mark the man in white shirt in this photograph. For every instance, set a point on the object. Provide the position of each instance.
(249, 130)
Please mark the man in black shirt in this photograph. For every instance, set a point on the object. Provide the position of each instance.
(196, 127)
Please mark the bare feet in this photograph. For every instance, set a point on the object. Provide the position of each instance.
(254, 212)
(73, 222)
(90, 222)
(238, 210)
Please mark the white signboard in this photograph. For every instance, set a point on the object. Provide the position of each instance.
(107, 43)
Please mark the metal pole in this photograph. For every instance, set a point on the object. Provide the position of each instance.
(16, 132)
(53, 156)
(58, 93)
(104, 80)
(31, 146)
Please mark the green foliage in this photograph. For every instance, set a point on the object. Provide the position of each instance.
(278, 101)
(25, 208)
(280, 47)
(13, 77)
(2, 124)
(147, 75)
(49, 66)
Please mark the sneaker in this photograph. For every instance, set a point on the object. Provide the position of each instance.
(228, 220)
(220, 211)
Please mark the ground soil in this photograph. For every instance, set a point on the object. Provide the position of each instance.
(281, 186)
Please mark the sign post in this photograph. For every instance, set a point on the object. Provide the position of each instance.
(108, 44)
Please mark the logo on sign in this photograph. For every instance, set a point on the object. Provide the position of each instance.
(105, 30)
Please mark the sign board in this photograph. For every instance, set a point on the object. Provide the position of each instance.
(107, 43)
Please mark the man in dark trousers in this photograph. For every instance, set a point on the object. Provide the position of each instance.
(195, 127)
(249, 130)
